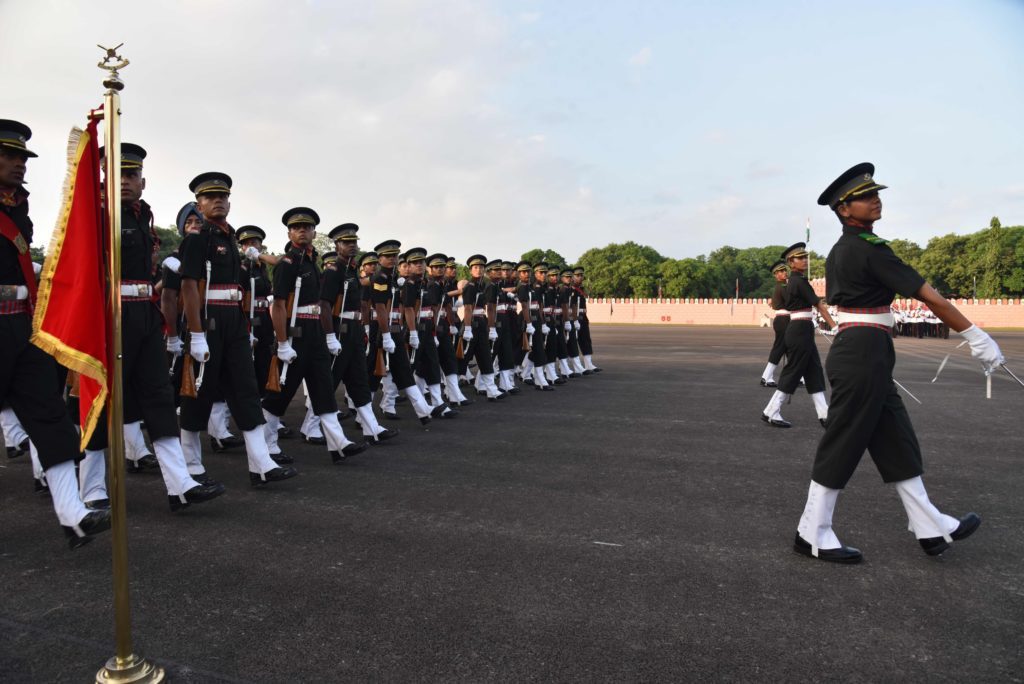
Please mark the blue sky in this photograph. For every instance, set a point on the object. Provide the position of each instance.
(498, 127)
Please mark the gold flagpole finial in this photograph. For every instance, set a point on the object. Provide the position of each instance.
(113, 63)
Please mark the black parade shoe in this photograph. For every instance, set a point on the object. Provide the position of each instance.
(197, 494)
(273, 475)
(844, 554)
(933, 546)
(776, 423)
(349, 451)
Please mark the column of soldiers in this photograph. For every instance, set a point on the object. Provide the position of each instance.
(222, 328)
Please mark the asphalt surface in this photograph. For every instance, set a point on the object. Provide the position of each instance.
(635, 525)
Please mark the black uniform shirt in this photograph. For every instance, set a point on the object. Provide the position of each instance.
(219, 246)
(10, 267)
(259, 270)
(432, 294)
(491, 293)
(381, 285)
(473, 294)
(139, 243)
(799, 293)
(335, 276)
(410, 293)
(862, 272)
(295, 264)
(778, 296)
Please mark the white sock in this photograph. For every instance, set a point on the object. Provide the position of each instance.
(588, 361)
(270, 429)
(134, 441)
(769, 372)
(419, 404)
(550, 372)
(774, 408)
(192, 449)
(335, 436)
(820, 405)
(37, 467)
(217, 426)
(452, 385)
(925, 520)
(538, 377)
(14, 434)
(368, 421)
(92, 475)
(435, 394)
(67, 502)
(172, 466)
(257, 452)
(311, 423)
(576, 365)
(816, 522)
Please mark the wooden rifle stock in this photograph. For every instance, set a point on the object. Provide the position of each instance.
(188, 377)
(526, 341)
(460, 353)
(274, 375)
(379, 370)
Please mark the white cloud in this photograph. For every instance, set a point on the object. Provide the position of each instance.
(641, 58)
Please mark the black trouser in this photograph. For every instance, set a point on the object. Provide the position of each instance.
(349, 366)
(556, 347)
(398, 360)
(802, 360)
(229, 373)
(428, 361)
(505, 346)
(573, 343)
(480, 347)
(779, 325)
(28, 384)
(866, 412)
(537, 354)
(146, 385)
(446, 349)
(263, 352)
(586, 346)
(313, 364)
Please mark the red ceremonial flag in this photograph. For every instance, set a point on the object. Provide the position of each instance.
(70, 321)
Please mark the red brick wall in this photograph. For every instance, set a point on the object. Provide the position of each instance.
(1005, 313)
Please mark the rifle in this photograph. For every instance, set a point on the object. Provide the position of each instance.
(529, 312)
(275, 375)
(416, 322)
(188, 378)
(210, 325)
(339, 306)
(293, 332)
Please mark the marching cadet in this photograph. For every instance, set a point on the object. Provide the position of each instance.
(802, 360)
(219, 333)
(341, 303)
(531, 298)
(504, 347)
(544, 295)
(28, 376)
(385, 296)
(586, 345)
(257, 289)
(478, 329)
(454, 288)
(189, 221)
(437, 288)
(555, 350)
(371, 329)
(779, 324)
(573, 325)
(421, 319)
(306, 344)
(146, 386)
(390, 394)
(862, 275)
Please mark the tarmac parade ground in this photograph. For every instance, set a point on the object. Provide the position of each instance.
(635, 525)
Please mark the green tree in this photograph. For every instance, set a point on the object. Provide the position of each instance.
(169, 241)
(622, 270)
(910, 252)
(38, 255)
(550, 256)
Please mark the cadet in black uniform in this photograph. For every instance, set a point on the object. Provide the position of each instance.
(147, 389)
(444, 327)
(504, 347)
(531, 301)
(28, 376)
(586, 344)
(219, 332)
(371, 330)
(779, 324)
(572, 342)
(478, 299)
(386, 298)
(428, 360)
(305, 351)
(544, 297)
(555, 349)
(341, 303)
(802, 360)
(862, 276)
(257, 288)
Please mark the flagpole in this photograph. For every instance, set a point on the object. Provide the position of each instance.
(125, 666)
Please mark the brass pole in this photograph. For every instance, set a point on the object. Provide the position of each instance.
(125, 666)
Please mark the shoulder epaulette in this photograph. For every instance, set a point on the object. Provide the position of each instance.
(873, 239)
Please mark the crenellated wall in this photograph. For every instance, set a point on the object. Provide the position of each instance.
(986, 313)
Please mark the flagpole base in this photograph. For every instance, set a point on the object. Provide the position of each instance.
(134, 669)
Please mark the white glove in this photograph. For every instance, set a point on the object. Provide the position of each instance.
(983, 348)
(414, 339)
(252, 253)
(388, 343)
(198, 348)
(568, 326)
(366, 331)
(511, 296)
(333, 345)
(37, 268)
(576, 324)
(437, 341)
(174, 345)
(467, 334)
(530, 329)
(453, 330)
(492, 334)
(544, 328)
(285, 352)
(172, 264)
(252, 339)
(400, 282)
